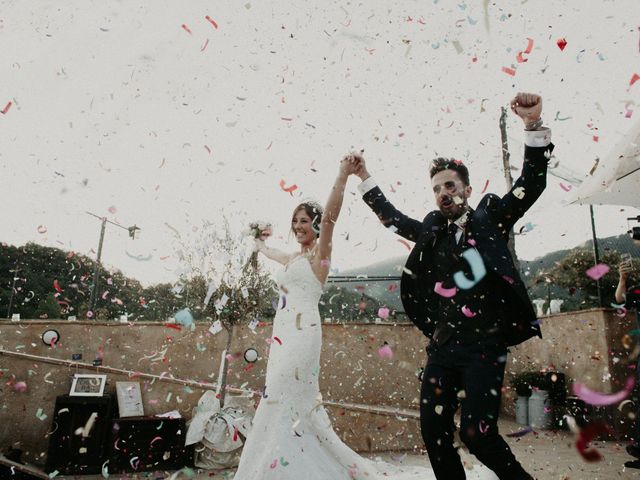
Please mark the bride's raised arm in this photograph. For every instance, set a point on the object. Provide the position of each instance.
(321, 262)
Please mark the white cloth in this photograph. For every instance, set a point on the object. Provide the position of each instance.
(292, 437)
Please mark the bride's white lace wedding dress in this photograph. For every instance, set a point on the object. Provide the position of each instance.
(292, 437)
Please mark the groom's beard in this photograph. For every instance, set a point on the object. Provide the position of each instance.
(453, 211)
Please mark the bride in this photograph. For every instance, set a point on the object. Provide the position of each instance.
(291, 437)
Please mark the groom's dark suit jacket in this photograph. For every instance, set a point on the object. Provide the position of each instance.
(489, 227)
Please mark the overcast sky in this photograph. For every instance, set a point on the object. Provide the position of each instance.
(151, 113)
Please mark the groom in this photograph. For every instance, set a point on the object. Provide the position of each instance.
(461, 288)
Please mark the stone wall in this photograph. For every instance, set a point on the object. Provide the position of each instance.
(583, 345)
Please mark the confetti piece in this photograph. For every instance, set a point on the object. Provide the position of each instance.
(468, 313)
(56, 285)
(509, 71)
(602, 399)
(211, 21)
(6, 108)
(385, 352)
(383, 312)
(290, 189)
(566, 188)
(298, 320)
(585, 436)
(560, 119)
(562, 43)
(518, 192)
(598, 271)
(484, 189)
(274, 464)
(278, 340)
(184, 317)
(186, 29)
(483, 426)
(112, 209)
(405, 243)
(46, 379)
(42, 229)
(105, 470)
(203, 48)
(140, 258)
(134, 461)
(478, 270)
(520, 433)
(634, 78)
(444, 292)
(520, 58)
(20, 386)
(438, 409)
(155, 439)
(283, 462)
(529, 46)
(40, 415)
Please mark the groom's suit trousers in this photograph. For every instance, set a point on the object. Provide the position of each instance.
(469, 376)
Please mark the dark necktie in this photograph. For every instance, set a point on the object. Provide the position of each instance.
(451, 235)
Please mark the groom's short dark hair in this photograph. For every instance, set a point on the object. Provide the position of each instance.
(441, 163)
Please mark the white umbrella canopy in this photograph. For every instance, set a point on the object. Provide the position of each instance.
(615, 181)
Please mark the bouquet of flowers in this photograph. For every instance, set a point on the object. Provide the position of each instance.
(261, 230)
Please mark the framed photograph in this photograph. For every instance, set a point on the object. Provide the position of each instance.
(129, 399)
(88, 385)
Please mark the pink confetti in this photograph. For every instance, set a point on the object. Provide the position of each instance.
(20, 387)
(42, 229)
(483, 427)
(278, 340)
(6, 108)
(290, 189)
(385, 352)
(484, 189)
(383, 312)
(444, 292)
(566, 188)
(601, 399)
(186, 29)
(634, 78)
(468, 313)
(561, 43)
(112, 209)
(509, 71)
(274, 464)
(56, 285)
(204, 46)
(211, 21)
(155, 439)
(598, 271)
(529, 46)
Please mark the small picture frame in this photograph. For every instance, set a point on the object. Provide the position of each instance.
(129, 399)
(88, 385)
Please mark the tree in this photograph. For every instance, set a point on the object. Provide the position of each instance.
(220, 282)
(570, 273)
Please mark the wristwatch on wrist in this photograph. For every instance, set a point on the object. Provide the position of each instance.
(535, 125)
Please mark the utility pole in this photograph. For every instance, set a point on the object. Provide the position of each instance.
(508, 178)
(96, 273)
(596, 253)
(13, 288)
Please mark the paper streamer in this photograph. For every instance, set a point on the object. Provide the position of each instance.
(478, 270)
(444, 292)
(602, 399)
